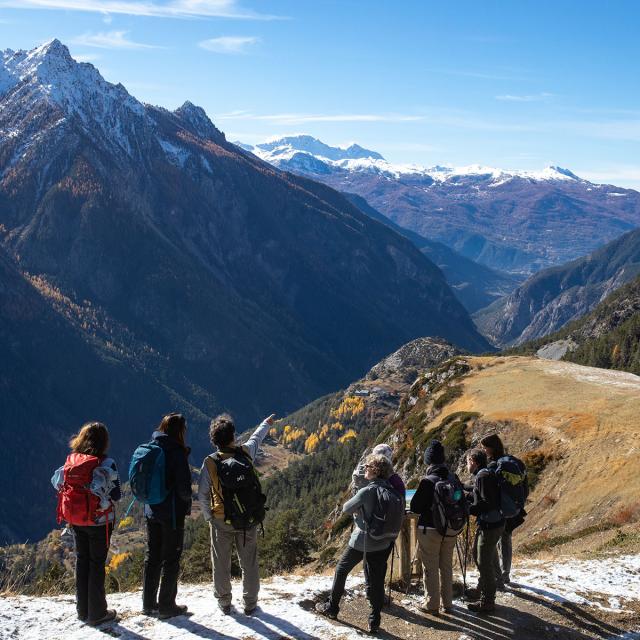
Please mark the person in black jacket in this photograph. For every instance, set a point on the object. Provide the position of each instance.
(165, 522)
(494, 448)
(436, 550)
(486, 508)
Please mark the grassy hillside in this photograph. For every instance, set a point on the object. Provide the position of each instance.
(575, 427)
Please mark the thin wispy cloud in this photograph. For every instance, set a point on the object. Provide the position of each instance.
(229, 44)
(87, 57)
(110, 40)
(149, 8)
(537, 97)
(304, 118)
(628, 175)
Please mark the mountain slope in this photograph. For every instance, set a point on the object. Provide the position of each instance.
(255, 290)
(553, 297)
(608, 337)
(475, 285)
(563, 419)
(54, 377)
(516, 221)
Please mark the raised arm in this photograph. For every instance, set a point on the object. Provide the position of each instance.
(253, 443)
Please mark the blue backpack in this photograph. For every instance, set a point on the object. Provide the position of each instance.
(147, 474)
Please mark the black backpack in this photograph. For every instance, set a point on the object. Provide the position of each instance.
(388, 513)
(513, 483)
(449, 508)
(244, 502)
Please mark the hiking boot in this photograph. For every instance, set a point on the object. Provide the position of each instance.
(107, 617)
(248, 611)
(374, 627)
(473, 593)
(484, 606)
(325, 609)
(500, 587)
(225, 608)
(448, 609)
(506, 578)
(150, 611)
(431, 612)
(176, 610)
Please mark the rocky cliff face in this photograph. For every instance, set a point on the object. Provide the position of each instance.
(555, 296)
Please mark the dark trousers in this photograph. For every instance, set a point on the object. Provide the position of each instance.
(486, 558)
(162, 559)
(375, 570)
(91, 554)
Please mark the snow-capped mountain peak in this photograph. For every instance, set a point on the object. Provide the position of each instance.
(304, 143)
(308, 154)
(49, 72)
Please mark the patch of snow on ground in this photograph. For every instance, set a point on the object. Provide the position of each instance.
(603, 377)
(583, 581)
(279, 616)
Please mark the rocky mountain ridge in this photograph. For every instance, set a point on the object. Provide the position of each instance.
(555, 296)
(515, 221)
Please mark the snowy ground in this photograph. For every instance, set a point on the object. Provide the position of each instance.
(611, 584)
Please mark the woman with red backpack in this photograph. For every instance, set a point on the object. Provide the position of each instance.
(88, 486)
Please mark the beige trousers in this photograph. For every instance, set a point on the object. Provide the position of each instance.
(436, 554)
(223, 537)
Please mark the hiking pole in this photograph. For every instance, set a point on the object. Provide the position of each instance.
(393, 555)
(462, 569)
(413, 559)
(466, 559)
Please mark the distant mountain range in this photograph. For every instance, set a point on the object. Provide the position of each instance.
(515, 221)
(164, 268)
(555, 296)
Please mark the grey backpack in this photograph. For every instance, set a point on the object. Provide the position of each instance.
(388, 513)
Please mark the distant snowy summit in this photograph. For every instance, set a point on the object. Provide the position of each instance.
(308, 154)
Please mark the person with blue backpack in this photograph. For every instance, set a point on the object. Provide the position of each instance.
(161, 478)
(512, 477)
(443, 509)
(378, 512)
(486, 506)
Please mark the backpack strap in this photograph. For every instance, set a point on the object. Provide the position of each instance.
(212, 463)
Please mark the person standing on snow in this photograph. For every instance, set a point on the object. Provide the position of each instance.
(233, 504)
(88, 485)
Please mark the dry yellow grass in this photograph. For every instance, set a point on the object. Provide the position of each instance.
(589, 417)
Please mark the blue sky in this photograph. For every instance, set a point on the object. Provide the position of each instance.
(511, 84)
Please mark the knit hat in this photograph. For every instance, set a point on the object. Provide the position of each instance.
(434, 453)
(383, 450)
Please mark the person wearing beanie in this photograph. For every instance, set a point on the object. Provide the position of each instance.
(358, 480)
(435, 550)
(494, 449)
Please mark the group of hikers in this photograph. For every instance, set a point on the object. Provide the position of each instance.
(232, 502)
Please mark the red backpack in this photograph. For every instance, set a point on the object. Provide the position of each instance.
(76, 504)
